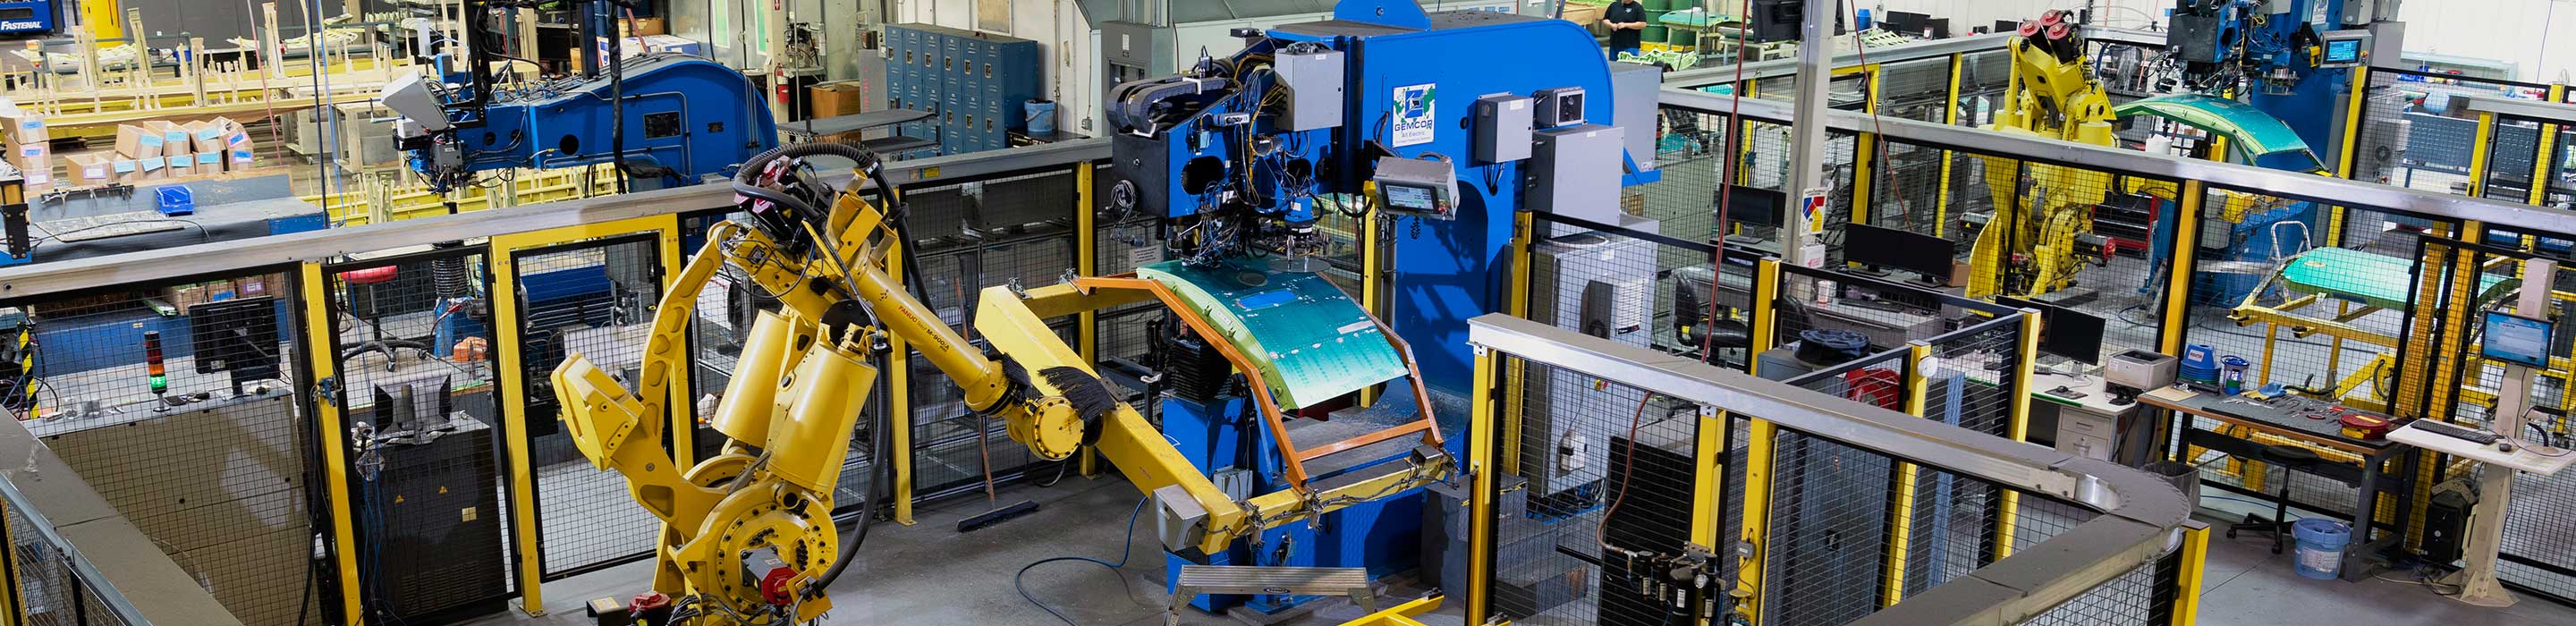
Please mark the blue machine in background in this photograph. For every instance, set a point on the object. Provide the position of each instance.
(29, 18)
(1442, 126)
(685, 118)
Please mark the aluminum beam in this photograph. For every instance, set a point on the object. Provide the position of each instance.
(2140, 513)
(267, 252)
(2218, 175)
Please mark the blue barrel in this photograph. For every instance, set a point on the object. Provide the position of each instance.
(2321, 543)
(1040, 115)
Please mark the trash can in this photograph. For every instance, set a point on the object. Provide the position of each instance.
(2321, 541)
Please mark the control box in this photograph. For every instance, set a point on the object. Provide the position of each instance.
(1421, 187)
(1314, 85)
(1562, 106)
(1502, 128)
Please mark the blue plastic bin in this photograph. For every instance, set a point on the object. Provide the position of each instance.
(177, 200)
(2321, 542)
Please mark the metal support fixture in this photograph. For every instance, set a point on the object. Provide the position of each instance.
(2478, 584)
(1807, 138)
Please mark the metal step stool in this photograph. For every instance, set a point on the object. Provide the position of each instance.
(1248, 580)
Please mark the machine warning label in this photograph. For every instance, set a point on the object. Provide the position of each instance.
(1413, 108)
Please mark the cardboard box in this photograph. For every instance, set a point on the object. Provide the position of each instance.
(133, 140)
(841, 98)
(184, 296)
(150, 168)
(643, 26)
(206, 136)
(181, 164)
(174, 139)
(122, 169)
(1584, 15)
(19, 127)
(89, 169)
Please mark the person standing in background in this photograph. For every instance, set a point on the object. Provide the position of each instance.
(1627, 22)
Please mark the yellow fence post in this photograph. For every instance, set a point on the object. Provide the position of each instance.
(2479, 157)
(899, 402)
(683, 403)
(2186, 251)
(2544, 163)
(1756, 543)
(1086, 262)
(1949, 115)
(1510, 451)
(2008, 522)
(1864, 150)
(1900, 530)
(2186, 594)
(17, 611)
(1480, 507)
(1766, 290)
(322, 347)
(1708, 485)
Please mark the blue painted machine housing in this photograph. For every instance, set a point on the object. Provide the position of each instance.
(684, 113)
(1171, 137)
(29, 18)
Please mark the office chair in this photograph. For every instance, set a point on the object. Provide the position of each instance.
(362, 287)
(2289, 459)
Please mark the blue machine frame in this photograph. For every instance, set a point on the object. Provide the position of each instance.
(1408, 83)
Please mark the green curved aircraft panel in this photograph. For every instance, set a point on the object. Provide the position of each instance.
(2272, 143)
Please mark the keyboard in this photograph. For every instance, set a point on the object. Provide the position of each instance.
(2456, 432)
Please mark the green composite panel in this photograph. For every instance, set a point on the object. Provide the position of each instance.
(1310, 342)
(2270, 142)
(2374, 279)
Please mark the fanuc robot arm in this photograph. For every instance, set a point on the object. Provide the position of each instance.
(2040, 248)
(748, 536)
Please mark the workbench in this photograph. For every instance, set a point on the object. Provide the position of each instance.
(2257, 420)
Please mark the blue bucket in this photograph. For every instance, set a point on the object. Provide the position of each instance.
(1040, 115)
(2321, 543)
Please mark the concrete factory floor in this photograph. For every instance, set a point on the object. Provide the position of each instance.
(930, 575)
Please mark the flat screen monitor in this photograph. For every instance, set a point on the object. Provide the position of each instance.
(1756, 207)
(1904, 22)
(2516, 339)
(1889, 248)
(2065, 332)
(238, 336)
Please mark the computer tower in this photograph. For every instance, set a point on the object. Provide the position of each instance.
(1650, 480)
(431, 530)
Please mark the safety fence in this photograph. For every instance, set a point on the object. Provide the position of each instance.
(1626, 492)
(387, 389)
(51, 583)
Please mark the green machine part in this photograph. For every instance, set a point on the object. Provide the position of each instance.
(2271, 143)
(1310, 342)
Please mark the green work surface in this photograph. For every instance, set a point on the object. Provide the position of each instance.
(2374, 279)
(1310, 342)
(2270, 142)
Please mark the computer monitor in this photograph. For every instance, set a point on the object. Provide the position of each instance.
(1889, 248)
(1903, 22)
(239, 336)
(1780, 20)
(415, 406)
(2064, 331)
(2516, 339)
(1749, 206)
(2007, 26)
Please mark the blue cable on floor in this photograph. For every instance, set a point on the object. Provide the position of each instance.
(1125, 547)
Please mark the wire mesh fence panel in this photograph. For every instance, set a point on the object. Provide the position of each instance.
(1596, 494)
(413, 343)
(1916, 90)
(1829, 535)
(1975, 386)
(177, 403)
(46, 591)
(956, 451)
(595, 299)
(1983, 79)
(2408, 139)
(2267, 290)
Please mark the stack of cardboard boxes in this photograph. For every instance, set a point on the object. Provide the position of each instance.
(183, 297)
(24, 135)
(159, 150)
